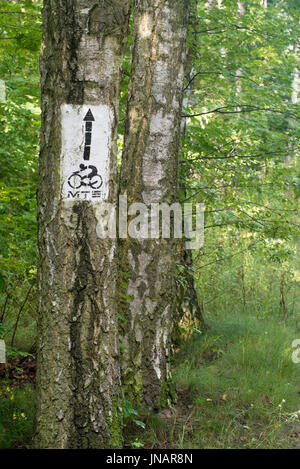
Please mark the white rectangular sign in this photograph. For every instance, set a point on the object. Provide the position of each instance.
(86, 144)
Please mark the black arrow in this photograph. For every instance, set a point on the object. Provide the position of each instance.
(89, 119)
(89, 116)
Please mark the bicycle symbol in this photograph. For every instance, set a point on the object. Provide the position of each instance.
(83, 178)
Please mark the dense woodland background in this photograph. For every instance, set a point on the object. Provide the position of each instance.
(237, 385)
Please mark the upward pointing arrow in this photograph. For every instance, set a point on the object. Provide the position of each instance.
(89, 116)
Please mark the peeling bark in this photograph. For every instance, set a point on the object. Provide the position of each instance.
(149, 174)
(78, 382)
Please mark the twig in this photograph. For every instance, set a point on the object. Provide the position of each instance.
(232, 255)
(19, 314)
(245, 108)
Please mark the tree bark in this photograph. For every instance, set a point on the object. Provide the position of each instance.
(149, 174)
(78, 382)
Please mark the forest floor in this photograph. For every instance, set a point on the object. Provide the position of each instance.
(237, 388)
(236, 382)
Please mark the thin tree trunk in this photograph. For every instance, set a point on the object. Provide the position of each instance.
(188, 301)
(294, 100)
(239, 73)
(149, 174)
(78, 378)
(19, 315)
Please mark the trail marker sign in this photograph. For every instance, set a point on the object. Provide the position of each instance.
(86, 147)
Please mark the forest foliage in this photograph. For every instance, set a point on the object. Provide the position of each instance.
(239, 157)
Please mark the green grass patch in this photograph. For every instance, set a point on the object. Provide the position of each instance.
(17, 406)
(237, 388)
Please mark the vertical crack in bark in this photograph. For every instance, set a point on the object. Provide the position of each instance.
(84, 285)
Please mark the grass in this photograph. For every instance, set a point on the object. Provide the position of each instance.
(236, 382)
(237, 388)
(237, 385)
(16, 415)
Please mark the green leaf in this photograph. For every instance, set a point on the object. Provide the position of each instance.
(139, 423)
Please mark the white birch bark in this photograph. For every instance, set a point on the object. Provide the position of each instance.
(149, 175)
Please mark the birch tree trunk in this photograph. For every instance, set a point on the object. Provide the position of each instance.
(239, 72)
(149, 174)
(78, 382)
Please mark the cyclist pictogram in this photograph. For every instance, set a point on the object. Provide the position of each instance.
(87, 176)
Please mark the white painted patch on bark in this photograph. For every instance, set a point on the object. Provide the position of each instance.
(145, 28)
(85, 143)
(153, 172)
